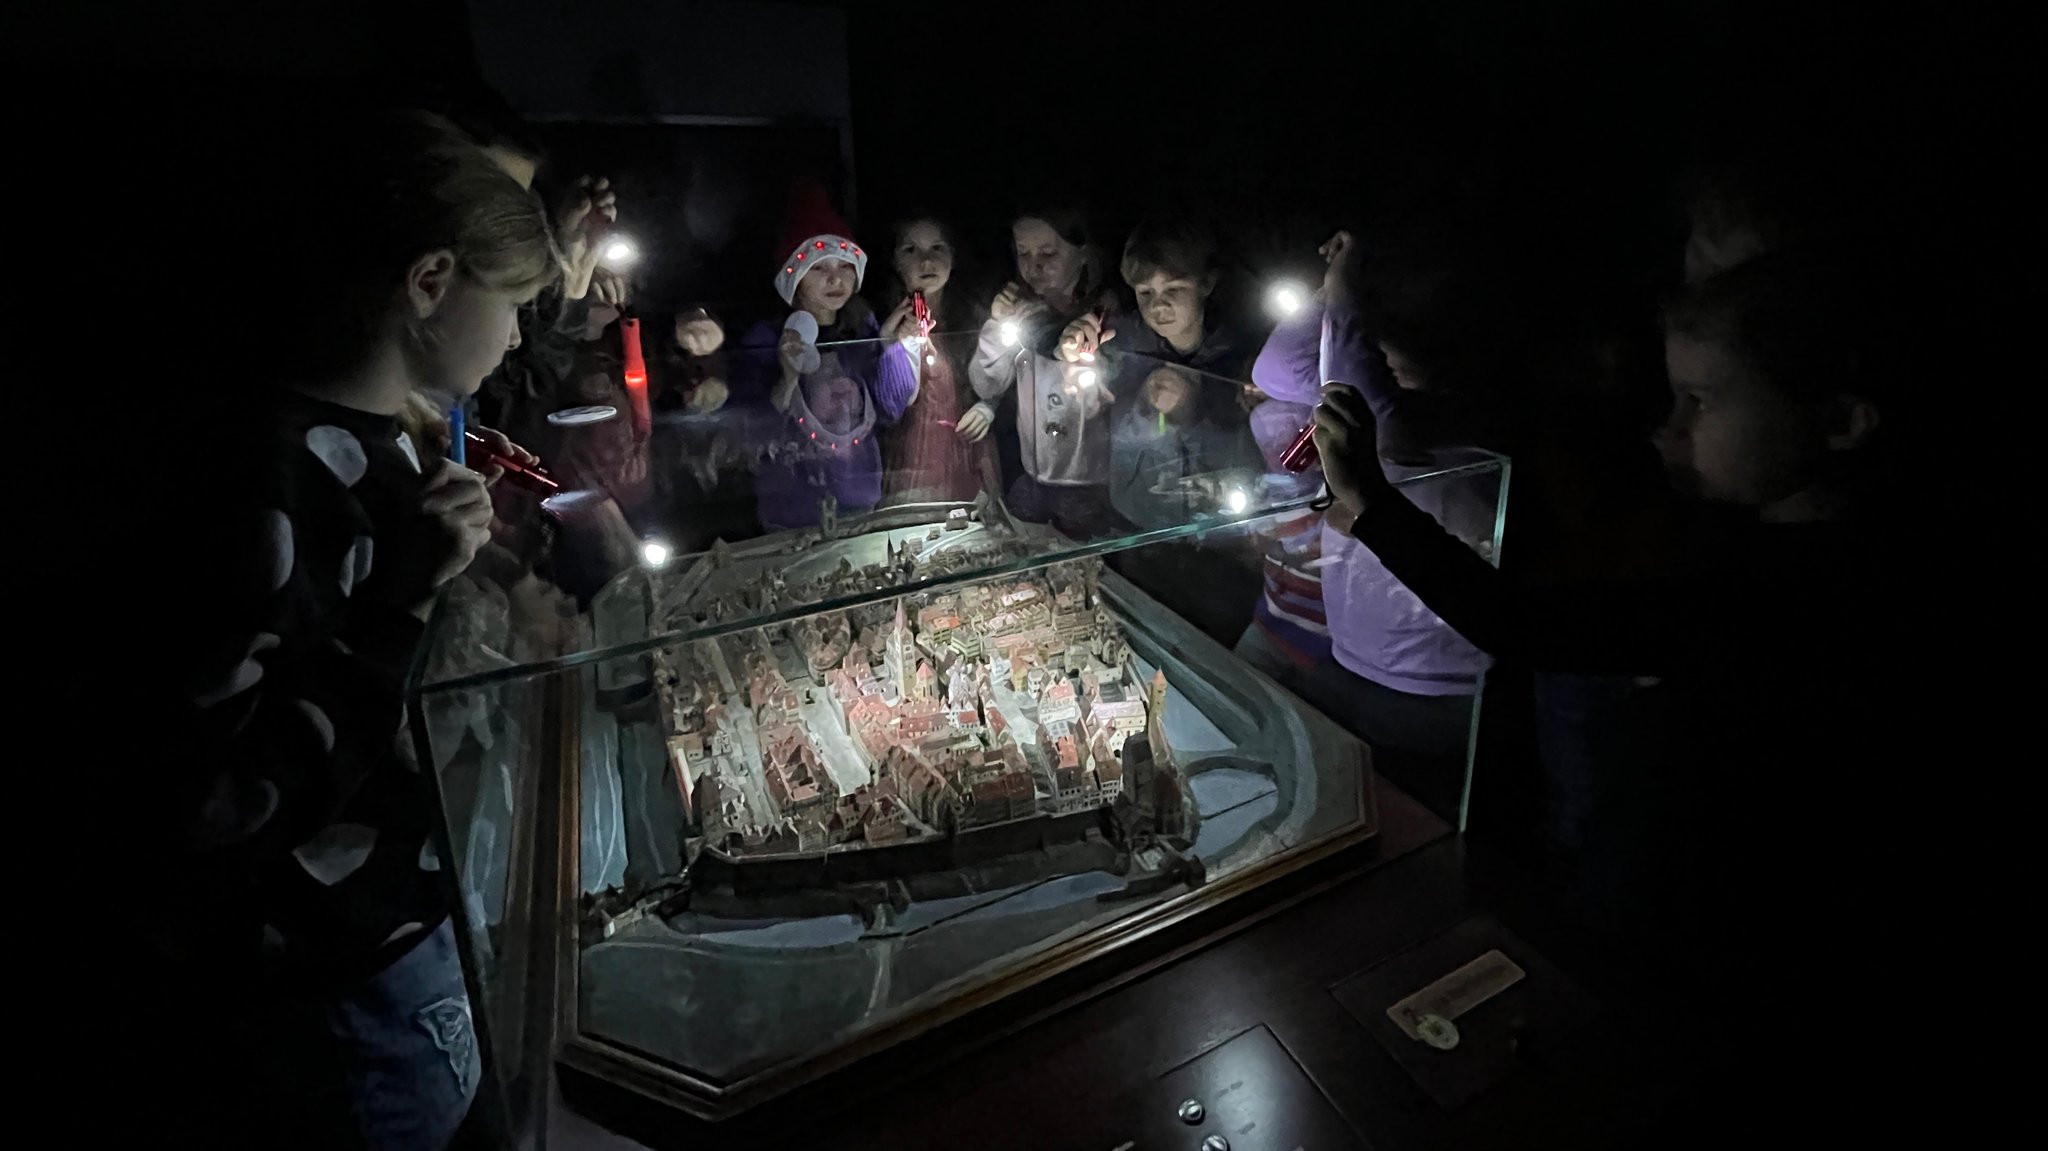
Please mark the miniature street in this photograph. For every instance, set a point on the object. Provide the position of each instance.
(924, 716)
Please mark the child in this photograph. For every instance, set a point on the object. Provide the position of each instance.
(814, 406)
(1062, 434)
(927, 455)
(1395, 674)
(297, 930)
(1172, 269)
(1773, 644)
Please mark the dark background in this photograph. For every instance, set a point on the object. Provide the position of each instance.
(1550, 133)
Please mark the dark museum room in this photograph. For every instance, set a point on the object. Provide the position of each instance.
(1386, 575)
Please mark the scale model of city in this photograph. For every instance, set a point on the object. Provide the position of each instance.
(931, 717)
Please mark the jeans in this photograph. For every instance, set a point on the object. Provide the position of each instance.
(409, 1057)
(241, 1058)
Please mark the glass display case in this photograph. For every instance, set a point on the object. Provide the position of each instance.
(761, 751)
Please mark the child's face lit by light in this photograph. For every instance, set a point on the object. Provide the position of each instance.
(924, 260)
(826, 288)
(473, 326)
(1171, 305)
(1046, 262)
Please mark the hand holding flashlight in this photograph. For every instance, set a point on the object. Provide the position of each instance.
(1008, 302)
(922, 311)
(901, 323)
(1347, 440)
(1078, 344)
(583, 232)
(438, 543)
(499, 458)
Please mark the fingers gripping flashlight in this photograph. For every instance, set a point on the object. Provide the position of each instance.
(1301, 455)
(922, 313)
(520, 474)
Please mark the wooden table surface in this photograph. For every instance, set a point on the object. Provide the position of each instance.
(1042, 1080)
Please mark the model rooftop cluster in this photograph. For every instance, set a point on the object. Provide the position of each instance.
(930, 715)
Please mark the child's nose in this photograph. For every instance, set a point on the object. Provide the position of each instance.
(1670, 437)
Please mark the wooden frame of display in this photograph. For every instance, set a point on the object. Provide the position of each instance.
(1167, 929)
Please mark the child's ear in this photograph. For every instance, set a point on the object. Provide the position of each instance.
(1852, 420)
(1208, 285)
(427, 282)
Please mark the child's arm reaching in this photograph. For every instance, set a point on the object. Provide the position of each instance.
(994, 366)
(896, 381)
(1289, 366)
(1615, 628)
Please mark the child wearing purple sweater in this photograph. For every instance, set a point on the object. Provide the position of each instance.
(815, 391)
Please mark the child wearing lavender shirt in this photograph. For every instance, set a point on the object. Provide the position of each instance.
(1393, 671)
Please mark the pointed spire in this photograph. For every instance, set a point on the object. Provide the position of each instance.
(1155, 721)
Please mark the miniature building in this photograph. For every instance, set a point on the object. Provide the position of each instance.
(1109, 770)
(899, 657)
(1058, 703)
(928, 726)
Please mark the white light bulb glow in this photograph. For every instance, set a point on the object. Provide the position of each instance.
(1286, 300)
(1011, 333)
(619, 252)
(1237, 501)
(654, 553)
(1087, 377)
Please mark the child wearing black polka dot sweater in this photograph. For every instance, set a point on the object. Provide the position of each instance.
(316, 800)
(302, 963)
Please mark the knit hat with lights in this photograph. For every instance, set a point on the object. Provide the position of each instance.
(815, 233)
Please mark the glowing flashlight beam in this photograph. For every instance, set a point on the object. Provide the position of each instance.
(654, 553)
(1286, 300)
(619, 252)
(1011, 333)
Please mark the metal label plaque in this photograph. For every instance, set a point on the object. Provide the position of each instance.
(1467, 1010)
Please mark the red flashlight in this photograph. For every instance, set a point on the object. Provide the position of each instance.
(1301, 455)
(520, 474)
(922, 313)
(636, 375)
